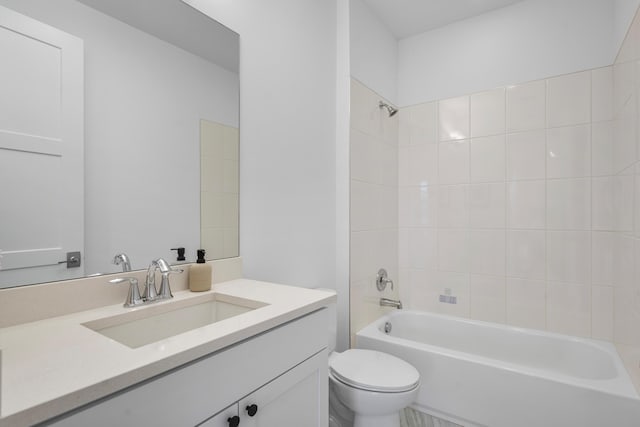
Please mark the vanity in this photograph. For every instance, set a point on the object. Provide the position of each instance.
(245, 353)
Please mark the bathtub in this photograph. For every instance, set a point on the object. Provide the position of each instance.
(484, 374)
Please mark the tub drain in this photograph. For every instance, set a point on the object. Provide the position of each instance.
(387, 327)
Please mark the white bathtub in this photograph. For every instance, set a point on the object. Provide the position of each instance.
(484, 374)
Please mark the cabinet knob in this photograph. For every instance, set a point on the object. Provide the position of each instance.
(252, 410)
(234, 421)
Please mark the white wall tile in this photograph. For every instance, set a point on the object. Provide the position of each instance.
(626, 306)
(422, 248)
(418, 206)
(365, 113)
(389, 166)
(526, 106)
(602, 203)
(453, 162)
(524, 201)
(419, 165)
(487, 252)
(488, 113)
(526, 303)
(526, 155)
(388, 207)
(454, 118)
(602, 313)
(487, 298)
(422, 122)
(622, 84)
(453, 206)
(623, 192)
(526, 204)
(365, 201)
(602, 94)
(569, 99)
(624, 137)
(569, 204)
(363, 260)
(526, 251)
(602, 258)
(602, 148)
(569, 256)
(403, 247)
(422, 294)
(453, 250)
(487, 205)
(487, 159)
(569, 309)
(636, 209)
(624, 258)
(366, 157)
(569, 152)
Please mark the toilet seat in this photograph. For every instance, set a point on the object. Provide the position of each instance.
(373, 371)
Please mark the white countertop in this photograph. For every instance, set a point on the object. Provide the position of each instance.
(54, 365)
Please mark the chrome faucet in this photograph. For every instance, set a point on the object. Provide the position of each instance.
(133, 297)
(150, 292)
(386, 302)
(124, 260)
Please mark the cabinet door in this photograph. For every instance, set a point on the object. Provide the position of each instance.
(224, 418)
(297, 398)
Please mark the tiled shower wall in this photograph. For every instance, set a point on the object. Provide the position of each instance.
(625, 239)
(374, 204)
(219, 179)
(522, 202)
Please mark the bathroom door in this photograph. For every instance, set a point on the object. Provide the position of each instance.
(41, 150)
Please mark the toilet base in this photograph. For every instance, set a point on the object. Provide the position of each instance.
(391, 420)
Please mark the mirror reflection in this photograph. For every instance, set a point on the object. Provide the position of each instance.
(119, 130)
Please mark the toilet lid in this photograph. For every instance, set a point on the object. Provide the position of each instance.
(374, 371)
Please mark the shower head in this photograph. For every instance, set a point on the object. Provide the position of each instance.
(391, 110)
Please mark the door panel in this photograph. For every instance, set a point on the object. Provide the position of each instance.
(41, 150)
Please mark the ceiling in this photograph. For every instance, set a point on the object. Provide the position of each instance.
(406, 18)
(177, 23)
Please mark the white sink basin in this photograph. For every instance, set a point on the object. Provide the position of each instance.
(153, 323)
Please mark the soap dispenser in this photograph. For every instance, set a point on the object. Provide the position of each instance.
(200, 274)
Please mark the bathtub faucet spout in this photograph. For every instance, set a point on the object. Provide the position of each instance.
(386, 302)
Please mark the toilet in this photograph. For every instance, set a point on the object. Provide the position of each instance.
(368, 388)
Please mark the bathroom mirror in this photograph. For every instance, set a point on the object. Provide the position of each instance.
(155, 86)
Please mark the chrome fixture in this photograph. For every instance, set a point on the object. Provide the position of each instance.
(124, 260)
(150, 292)
(382, 280)
(386, 302)
(390, 109)
(133, 298)
(387, 327)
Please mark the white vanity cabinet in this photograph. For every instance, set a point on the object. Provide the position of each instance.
(292, 399)
(227, 418)
(282, 371)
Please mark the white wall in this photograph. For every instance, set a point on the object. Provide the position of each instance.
(530, 40)
(374, 52)
(142, 174)
(287, 138)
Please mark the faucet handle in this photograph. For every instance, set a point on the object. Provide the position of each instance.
(382, 280)
(165, 287)
(133, 298)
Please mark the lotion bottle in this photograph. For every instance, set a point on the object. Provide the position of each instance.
(200, 274)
